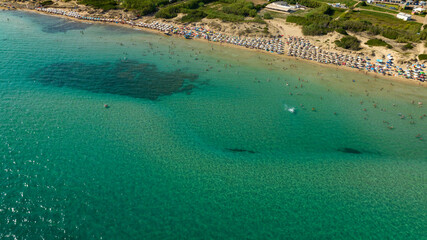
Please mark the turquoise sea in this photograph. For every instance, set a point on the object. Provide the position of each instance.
(198, 141)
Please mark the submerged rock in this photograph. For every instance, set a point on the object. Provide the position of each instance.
(240, 150)
(349, 150)
(129, 78)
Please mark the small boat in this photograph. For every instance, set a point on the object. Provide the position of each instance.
(291, 110)
(106, 106)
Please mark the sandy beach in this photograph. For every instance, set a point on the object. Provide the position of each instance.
(278, 26)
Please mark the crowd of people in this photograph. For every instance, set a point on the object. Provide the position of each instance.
(297, 46)
(273, 45)
(302, 48)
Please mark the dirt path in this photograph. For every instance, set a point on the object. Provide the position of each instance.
(337, 18)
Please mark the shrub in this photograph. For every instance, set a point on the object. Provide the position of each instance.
(265, 30)
(223, 16)
(297, 19)
(194, 16)
(259, 7)
(319, 21)
(241, 8)
(423, 34)
(422, 57)
(191, 4)
(258, 19)
(316, 24)
(307, 3)
(390, 33)
(102, 4)
(407, 46)
(168, 12)
(348, 42)
(315, 30)
(146, 8)
(356, 26)
(374, 30)
(326, 9)
(401, 40)
(363, 4)
(378, 42)
(267, 16)
(46, 3)
(342, 31)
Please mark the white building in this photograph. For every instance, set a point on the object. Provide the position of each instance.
(404, 16)
(418, 10)
(337, 5)
(283, 7)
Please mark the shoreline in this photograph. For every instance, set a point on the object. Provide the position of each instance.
(354, 70)
(222, 44)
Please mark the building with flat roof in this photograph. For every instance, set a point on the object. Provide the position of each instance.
(283, 7)
(418, 10)
(404, 16)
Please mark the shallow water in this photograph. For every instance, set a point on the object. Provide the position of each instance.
(198, 141)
